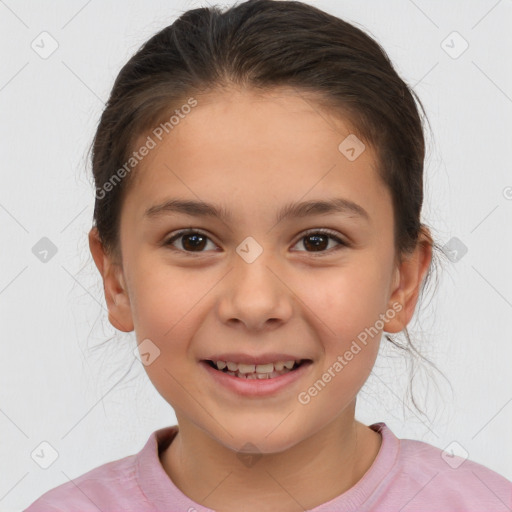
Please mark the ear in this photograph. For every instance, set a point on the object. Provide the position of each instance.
(407, 283)
(116, 294)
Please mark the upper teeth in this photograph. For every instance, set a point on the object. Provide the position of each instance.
(258, 368)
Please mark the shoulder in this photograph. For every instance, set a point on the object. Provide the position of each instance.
(429, 475)
(112, 484)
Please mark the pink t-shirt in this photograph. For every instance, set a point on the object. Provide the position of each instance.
(405, 476)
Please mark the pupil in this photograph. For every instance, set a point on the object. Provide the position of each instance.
(196, 244)
(317, 244)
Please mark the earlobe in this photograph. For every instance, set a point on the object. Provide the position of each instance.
(115, 290)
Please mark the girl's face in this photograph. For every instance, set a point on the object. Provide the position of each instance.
(259, 281)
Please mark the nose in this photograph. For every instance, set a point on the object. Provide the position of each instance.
(254, 296)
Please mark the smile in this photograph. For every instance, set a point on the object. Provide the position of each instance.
(256, 371)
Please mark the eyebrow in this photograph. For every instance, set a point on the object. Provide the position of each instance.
(301, 209)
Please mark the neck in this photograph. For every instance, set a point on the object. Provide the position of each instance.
(310, 473)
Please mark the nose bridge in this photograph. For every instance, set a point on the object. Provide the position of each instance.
(254, 293)
(252, 273)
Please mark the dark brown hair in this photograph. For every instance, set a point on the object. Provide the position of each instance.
(261, 45)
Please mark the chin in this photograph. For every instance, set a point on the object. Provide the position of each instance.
(259, 436)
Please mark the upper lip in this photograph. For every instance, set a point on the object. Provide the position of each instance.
(256, 359)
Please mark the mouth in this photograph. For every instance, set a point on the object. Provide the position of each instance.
(264, 371)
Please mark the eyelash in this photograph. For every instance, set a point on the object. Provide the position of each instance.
(331, 234)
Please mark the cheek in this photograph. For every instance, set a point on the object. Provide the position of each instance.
(165, 312)
(347, 299)
(351, 312)
(348, 308)
(163, 299)
(167, 308)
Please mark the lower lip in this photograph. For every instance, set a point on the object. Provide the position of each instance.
(256, 387)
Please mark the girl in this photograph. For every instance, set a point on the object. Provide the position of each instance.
(257, 224)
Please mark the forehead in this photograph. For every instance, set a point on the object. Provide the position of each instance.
(236, 144)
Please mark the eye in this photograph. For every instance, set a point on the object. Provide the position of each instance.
(192, 241)
(318, 241)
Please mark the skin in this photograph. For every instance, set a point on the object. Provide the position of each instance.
(252, 153)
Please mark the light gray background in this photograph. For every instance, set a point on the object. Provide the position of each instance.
(97, 406)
